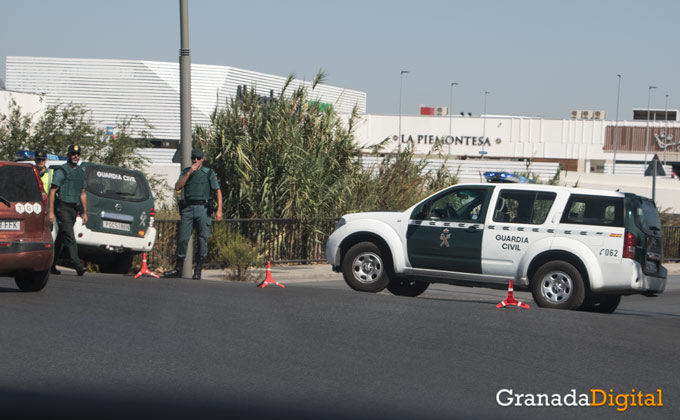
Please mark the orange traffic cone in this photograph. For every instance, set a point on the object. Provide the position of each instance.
(269, 279)
(510, 300)
(145, 269)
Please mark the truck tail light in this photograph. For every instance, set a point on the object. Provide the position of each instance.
(628, 245)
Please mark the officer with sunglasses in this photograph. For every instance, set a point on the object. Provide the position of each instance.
(66, 192)
(198, 182)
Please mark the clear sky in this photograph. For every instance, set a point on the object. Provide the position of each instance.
(535, 57)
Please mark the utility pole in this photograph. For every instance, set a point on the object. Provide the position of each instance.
(401, 84)
(616, 127)
(649, 98)
(185, 112)
(665, 132)
(451, 111)
(486, 92)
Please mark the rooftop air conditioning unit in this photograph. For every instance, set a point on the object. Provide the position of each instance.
(576, 114)
(586, 115)
(599, 115)
(442, 110)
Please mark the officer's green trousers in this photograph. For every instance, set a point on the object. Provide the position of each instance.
(66, 217)
(194, 217)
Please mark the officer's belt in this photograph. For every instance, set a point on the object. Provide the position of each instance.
(196, 202)
(61, 203)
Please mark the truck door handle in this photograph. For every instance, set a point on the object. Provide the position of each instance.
(473, 229)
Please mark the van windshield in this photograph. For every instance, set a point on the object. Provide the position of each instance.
(647, 216)
(116, 183)
(18, 183)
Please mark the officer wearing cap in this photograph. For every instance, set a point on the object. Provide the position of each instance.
(198, 182)
(44, 173)
(67, 190)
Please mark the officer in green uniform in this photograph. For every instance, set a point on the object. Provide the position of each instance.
(68, 188)
(198, 182)
(44, 173)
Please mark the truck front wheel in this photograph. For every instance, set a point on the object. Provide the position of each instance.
(364, 268)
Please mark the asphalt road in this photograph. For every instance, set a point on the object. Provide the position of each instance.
(108, 346)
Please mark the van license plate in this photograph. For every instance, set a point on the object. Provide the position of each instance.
(116, 225)
(10, 225)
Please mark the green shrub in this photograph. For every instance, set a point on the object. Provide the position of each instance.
(230, 250)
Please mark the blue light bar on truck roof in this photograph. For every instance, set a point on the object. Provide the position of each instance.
(505, 177)
(28, 155)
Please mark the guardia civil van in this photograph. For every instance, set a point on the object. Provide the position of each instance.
(572, 248)
(120, 211)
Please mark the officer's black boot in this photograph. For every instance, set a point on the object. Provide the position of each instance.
(197, 270)
(177, 271)
(54, 270)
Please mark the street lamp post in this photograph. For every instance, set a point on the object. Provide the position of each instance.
(616, 127)
(401, 83)
(486, 92)
(185, 113)
(665, 132)
(451, 105)
(451, 112)
(649, 98)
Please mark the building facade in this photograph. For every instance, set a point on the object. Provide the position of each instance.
(114, 90)
(30, 103)
(585, 145)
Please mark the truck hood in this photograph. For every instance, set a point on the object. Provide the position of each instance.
(384, 216)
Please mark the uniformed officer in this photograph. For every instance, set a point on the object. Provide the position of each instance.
(44, 173)
(198, 182)
(68, 188)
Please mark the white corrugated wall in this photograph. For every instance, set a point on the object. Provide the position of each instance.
(118, 89)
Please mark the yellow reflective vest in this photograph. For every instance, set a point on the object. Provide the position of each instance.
(46, 179)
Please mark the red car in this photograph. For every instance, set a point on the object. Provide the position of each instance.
(26, 246)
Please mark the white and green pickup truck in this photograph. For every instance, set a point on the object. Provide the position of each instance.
(573, 248)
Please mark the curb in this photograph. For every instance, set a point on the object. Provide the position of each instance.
(284, 274)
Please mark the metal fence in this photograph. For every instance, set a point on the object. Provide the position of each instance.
(278, 240)
(671, 243)
(294, 241)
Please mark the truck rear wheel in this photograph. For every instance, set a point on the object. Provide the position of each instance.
(558, 285)
(364, 268)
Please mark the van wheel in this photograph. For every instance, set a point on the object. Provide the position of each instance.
(364, 268)
(558, 285)
(406, 287)
(117, 264)
(32, 281)
(604, 304)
